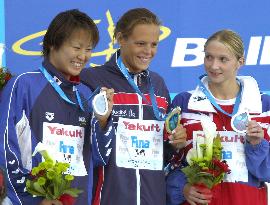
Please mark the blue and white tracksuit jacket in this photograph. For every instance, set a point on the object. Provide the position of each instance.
(196, 105)
(123, 186)
(27, 102)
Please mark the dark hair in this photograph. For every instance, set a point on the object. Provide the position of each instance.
(132, 18)
(231, 40)
(62, 27)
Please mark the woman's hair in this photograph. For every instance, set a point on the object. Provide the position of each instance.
(230, 39)
(63, 25)
(133, 17)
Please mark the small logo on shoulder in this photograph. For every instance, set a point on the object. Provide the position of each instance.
(49, 116)
(199, 98)
(82, 121)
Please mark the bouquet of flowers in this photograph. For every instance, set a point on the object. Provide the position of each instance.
(5, 76)
(3, 189)
(49, 180)
(206, 168)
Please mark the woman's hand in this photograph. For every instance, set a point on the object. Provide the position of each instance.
(255, 132)
(197, 195)
(178, 137)
(104, 118)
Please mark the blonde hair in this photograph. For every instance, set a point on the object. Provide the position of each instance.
(231, 40)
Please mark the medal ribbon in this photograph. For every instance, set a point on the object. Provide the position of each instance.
(124, 71)
(214, 103)
(59, 90)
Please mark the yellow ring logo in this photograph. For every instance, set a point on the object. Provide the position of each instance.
(17, 46)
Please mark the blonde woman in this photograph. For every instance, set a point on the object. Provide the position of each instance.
(221, 95)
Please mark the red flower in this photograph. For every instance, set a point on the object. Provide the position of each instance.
(40, 174)
(222, 165)
(215, 173)
(8, 77)
(2, 185)
(66, 199)
(5, 76)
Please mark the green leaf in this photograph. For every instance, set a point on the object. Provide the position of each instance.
(34, 188)
(204, 174)
(56, 189)
(207, 181)
(33, 191)
(39, 188)
(218, 179)
(73, 192)
(217, 147)
(49, 194)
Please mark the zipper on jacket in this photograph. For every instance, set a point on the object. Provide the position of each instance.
(140, 105)
(140, 117)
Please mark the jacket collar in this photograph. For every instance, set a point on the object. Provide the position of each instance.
(58, 75)
(250, 99)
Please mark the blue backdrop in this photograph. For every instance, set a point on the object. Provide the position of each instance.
(186, 25)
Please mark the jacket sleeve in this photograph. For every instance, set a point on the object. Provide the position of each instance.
(175, 183)
(258, 160)
(101, 141)
(15, 142)
(258, 156)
